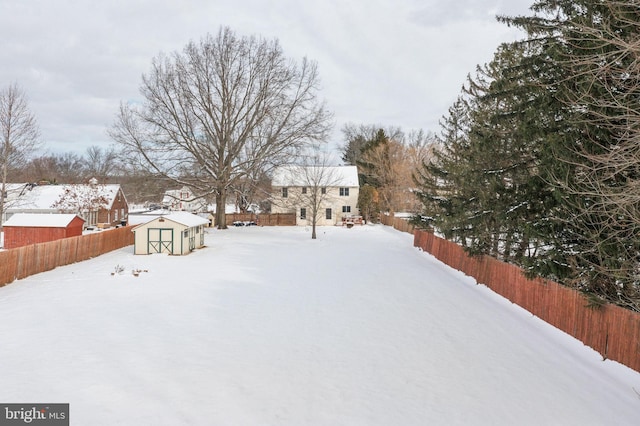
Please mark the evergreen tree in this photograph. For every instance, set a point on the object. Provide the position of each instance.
(441, 180)
(591, 46)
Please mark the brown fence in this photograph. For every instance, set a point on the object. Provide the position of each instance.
(401, 224)
(612, 331)
(276, 219)
(24, 261)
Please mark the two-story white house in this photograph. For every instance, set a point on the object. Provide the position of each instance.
(329, 192)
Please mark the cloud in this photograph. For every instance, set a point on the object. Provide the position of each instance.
(397, 63)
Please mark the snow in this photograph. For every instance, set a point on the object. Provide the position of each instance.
(302, 175)
(265, 326)
(44, 197)
(183, 218)
(40, 220)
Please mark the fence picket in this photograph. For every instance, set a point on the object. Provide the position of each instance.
(611, 330)
(22, 262)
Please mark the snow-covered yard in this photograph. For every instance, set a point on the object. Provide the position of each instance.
(268, 327)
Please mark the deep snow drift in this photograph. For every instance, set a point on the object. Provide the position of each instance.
(266, 326)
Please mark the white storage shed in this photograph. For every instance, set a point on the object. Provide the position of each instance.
(176, 233)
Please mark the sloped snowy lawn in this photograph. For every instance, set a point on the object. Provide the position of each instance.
(266, 326)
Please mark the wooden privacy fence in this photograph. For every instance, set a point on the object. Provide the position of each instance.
(401, 224)
(24, 261)
(611, 330)
(275, 219)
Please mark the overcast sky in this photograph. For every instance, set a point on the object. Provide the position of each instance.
(393, 63)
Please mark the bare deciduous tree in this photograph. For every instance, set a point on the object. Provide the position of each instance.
(20, 134)
(389, 168)
(219, 110)
(386, 159)
(100, 163)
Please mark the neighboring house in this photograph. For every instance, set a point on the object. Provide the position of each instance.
(98, 204)
(23, 229)
(183, 200)
(176, 233)
(338, 190)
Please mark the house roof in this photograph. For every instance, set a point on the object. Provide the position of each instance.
(182, 218)
(36, 220)
(346, 176)
(44, 197)
(15, 188)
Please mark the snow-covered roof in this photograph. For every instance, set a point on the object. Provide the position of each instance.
(15, 190)
(346, 176)
(182, 218)
(40, 220)
(146, 216)
(44, 197)
(15, 187)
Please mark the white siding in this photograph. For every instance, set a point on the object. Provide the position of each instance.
(290, 178)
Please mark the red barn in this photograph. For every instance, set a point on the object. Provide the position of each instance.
(23, 229)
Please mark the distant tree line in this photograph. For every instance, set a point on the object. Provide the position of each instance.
(386, 158)
(103, 164)
(539, 158)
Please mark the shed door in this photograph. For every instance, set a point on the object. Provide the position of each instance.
(192, 240)
(160, 240)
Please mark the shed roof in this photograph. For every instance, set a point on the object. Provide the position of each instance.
(309, 175)
(182, 218)
(35, 220)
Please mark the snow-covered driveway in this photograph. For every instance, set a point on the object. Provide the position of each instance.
(268, 327)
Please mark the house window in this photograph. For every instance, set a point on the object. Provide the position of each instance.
(328, 214)
(323, 190)
(346, 209)
(344, 192)
(303, 213)
(285, 192)
(115, 215)
(304, 190)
